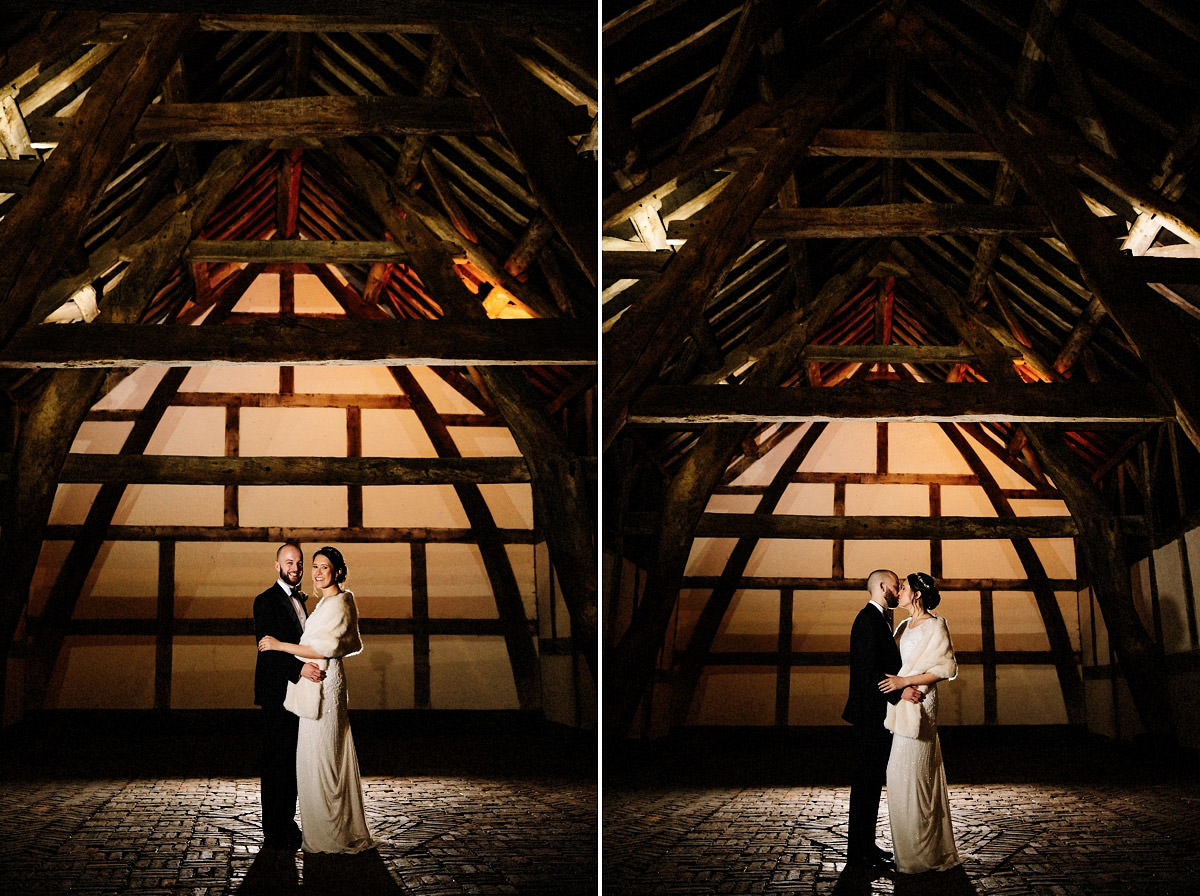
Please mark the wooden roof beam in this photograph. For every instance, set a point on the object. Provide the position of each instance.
(1068, 403)
(307, 341)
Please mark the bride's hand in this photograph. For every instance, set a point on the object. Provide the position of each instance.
(268, 643)
(892, 683)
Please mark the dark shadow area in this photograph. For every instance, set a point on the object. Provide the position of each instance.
(821, 756)
(226, 743)
(273, 872)
(362, 874)
(936, 883)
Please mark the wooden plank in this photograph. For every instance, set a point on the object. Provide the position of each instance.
(891, 354)
(278, 534)
(747, 525)
(307, 341)
(899, 220)
(562, 181)
(329, 116)
(187, 470)
(1163, 269)
(295, 251)
(74, 174)
(848, 143)
(1069, 402)
(359, 15)
(17, 174)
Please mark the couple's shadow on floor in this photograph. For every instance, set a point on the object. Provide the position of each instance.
(361, 874)
(854, 881)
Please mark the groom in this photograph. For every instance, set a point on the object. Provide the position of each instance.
(873, 654)
(279, 612)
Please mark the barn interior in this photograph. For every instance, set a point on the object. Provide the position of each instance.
(283, 272)
(907, 285)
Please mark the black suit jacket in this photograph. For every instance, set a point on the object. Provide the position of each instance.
(873, 654)
(274, 615)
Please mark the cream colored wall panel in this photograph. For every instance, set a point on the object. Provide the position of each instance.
(484, 441)
(233, 378)
(380, 577)
(733, 695)
(174, 505)
(1003, 474)
(845, 447)
(470, 673)
(960, 702)
(1038, 507)
(790, 557)
(101, 437)
(459, 587)
(708, 556)
(381, 677)
(344, 380)
(962, 614)
(1172, 599)
(902, 557)
(394, 434)
(300, 432)
(733, 504)
(1057, 556)
(446, 400)
(1029, 695)
(817, 695)
(123, 582)
(261, 296)
(966, 500)
(435, 506)
(1018, 622)
(982, 558)
(311, 296)
(511, 504)
(750, 623)
(134, 390)
(72, 502)
(128, 682)
(212, 673)
(764, 469)
(190, 431)
(812, 498)
(292, 505)
(821, 620)
(922, 448)
(887, 500)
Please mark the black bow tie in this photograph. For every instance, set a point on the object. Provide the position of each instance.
(299, 595)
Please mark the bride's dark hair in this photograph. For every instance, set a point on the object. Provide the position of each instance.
(923, 582)
(334, 556)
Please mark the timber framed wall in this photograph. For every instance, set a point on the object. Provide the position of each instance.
(855, 476)
(168, 599)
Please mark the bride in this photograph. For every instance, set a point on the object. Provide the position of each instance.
(918, 803)
(327, 779)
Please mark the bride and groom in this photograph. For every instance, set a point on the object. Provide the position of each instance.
(892, 705)
(309, 756)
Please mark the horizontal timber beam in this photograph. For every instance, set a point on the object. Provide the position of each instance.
(1067, 403)
(855, 586)
(280, 534)
(809, 658)
(838, 528)
(190, 470)
(356, 15)
(295, 251)
(218, 627)
(899, 220)
(301, 341)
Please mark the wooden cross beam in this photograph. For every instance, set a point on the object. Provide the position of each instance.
(307, 341)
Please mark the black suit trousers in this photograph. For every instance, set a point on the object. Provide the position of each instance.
(872, 746)
(279, 776)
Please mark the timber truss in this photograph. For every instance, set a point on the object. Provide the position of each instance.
(966, 213)
(433, 165)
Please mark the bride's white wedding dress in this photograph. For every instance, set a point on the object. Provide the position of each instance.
(327, 779)
(917, 798)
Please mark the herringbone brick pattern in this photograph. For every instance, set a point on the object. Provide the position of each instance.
(508, 822)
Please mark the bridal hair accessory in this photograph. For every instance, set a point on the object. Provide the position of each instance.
(923, 582)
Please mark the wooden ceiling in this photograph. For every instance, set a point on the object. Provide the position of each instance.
(879, 176)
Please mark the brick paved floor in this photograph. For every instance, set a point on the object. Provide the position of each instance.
(1037, 812)
(502, 808)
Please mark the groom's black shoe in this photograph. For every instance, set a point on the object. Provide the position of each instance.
(883, 854)
(872, 860)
